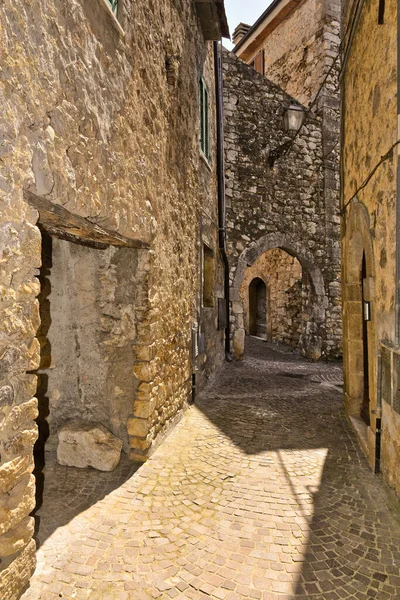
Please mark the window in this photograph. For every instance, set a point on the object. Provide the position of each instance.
(258, 63)
(208, 276)
(114, 4)
(204, 120)
(381, 12)
(112, 7)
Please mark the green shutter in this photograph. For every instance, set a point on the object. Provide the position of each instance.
(206, 125)
(114, 4)
(204, 119)
(202, 129)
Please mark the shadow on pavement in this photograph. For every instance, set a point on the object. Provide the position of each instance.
(277, 407)
(69, 491)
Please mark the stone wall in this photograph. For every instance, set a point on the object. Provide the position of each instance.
(100, 118)
(283, 277)
(298, 50)
(278, 199)
(369, 91)
(301, 56)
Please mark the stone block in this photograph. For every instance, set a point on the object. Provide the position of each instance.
(6, 395)
(355, 326)
(237, 308)
(137, 456)
(21, 443)
(144, 408)
(238, 344)
(18, 416)
(82, 444)
(143, 353)
(12, 471)
(17, 538)
(138, 427)
(144, 371)
(144, 390)
(16, 575)
(17, 504)
(141, 445)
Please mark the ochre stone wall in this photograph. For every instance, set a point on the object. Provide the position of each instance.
(369, 92)
(293, 51)
(92, 121)
(283, 277)
(19, 353)
(280, 204)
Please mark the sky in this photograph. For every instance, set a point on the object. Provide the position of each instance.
(245, 11)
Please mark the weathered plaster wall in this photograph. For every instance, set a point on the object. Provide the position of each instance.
(281, 206)
(283, 277)
(88, 327)
(369, 130)
(91, 121)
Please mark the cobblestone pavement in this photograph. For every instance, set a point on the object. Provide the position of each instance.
(260, 492)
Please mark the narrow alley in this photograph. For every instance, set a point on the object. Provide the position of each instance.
(260, 492)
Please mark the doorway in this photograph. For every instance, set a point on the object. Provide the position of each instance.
(258, 308)
(365, 317)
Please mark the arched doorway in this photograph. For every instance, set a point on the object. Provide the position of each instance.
(308, 286)
(365, 316)
(358, 316)
(258, 308)
(286, 286)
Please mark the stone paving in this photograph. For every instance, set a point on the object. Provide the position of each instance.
(260, 492)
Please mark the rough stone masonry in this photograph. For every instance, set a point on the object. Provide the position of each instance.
(277, 198)
(103, 190)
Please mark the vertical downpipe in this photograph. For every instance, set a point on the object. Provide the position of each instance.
(378, 420)
(193, 388)
(221, 187)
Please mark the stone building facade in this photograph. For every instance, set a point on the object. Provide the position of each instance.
(370, 230)
(108, 210)
(283, 187)
(276, 198)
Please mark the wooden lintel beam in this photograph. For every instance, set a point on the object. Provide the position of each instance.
(62, 223)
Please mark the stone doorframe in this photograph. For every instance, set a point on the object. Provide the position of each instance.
(312, 336)
(356, 243)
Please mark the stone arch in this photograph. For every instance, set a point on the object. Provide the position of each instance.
(358, 337)
(312, 338)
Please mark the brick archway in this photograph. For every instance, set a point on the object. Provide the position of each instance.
(312, 337)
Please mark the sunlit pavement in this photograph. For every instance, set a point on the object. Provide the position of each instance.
(260, 492)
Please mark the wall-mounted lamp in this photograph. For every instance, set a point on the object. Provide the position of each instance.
(293, 117)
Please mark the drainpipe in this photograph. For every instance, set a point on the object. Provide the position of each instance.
(397, 315)
(221, 187)
(378, 419)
